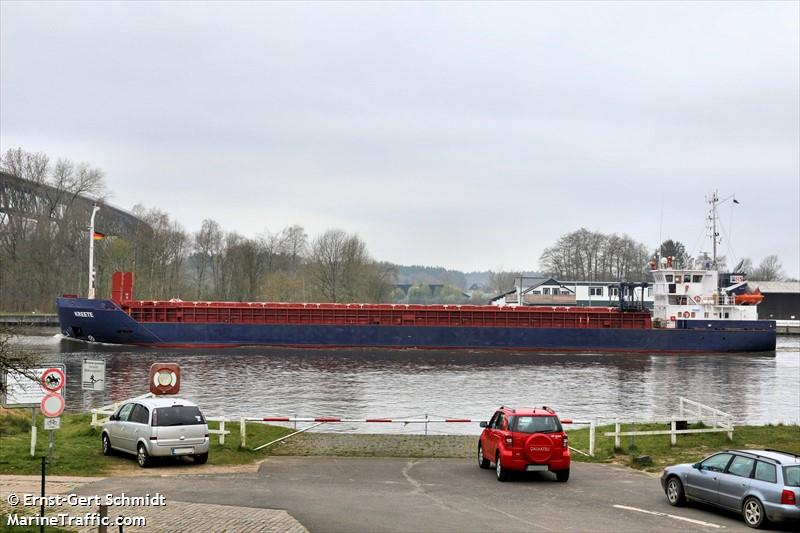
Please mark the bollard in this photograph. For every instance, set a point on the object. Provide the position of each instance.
(102, 528)
(44, 474)
(242, 432)
(673, 437)
(222, 430)
(592, 429)
(617, 440)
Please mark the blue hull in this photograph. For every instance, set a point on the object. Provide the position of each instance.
(104, 321)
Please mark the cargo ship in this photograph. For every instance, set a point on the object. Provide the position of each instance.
(695, 310)
(691, 314)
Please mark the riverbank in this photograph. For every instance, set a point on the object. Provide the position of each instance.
(77, 447)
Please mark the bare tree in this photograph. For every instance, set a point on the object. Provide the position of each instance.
(503, 281)
(206, 242)
(13, 361)
(295, 243)
(769, 269)
(593, 256)
(342, 270)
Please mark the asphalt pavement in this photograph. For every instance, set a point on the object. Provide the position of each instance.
(335, 494)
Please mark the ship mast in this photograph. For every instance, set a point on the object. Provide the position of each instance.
(714, 201)
(712, 218)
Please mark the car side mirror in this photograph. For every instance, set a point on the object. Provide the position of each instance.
(696, 466)
(112, 418)
(484, 424)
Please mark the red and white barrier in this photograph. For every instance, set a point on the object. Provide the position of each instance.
(327, 419)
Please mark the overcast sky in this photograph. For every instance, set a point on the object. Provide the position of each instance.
(468, 136)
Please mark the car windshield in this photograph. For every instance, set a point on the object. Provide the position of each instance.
(178, 415)
(792, 475)
(537, 424)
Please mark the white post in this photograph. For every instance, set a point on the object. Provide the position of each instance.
(90, 292)
(33, 431)
(673, 437)
(617, 440)
(730, 428)
(243, 432)
(592, 429)
(222, 430)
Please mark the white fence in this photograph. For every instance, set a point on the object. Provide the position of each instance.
(689, 412)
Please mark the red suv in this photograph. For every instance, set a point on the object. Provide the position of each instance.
(527, 439)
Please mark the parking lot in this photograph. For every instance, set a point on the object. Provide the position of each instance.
(392, 494)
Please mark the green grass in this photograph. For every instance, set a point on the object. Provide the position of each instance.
(77, 452)
(690, 448)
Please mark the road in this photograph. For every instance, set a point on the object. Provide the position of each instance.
(330, 494)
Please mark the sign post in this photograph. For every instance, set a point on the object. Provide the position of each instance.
(93, 375)
(52, 405)
(23, 390)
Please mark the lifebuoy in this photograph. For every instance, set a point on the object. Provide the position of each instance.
(672, 318)
(698, 299)
(686, 314)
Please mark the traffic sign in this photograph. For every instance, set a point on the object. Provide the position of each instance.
(23, 389)
(52, 423)
(52, 405)
(52, 380)
(93, 375)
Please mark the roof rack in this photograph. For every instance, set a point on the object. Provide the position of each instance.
(754, 454)
(782, 451)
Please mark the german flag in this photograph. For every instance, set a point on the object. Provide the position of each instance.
(98, 236)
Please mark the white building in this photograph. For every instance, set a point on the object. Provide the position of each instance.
(549, 291)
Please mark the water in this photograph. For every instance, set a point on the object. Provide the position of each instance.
(259, 382)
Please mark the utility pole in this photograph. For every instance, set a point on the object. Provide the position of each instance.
(90, 292)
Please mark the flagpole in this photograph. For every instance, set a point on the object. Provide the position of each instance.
(90, 292)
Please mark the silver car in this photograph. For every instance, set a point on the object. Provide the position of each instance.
(762, 485)
(157, 427)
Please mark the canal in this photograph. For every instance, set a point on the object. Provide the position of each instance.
(755, 388)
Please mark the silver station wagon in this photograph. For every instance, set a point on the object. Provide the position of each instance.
(157, 427)
(762, 485)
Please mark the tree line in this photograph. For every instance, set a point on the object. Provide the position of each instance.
(41, 258)
(593, 256)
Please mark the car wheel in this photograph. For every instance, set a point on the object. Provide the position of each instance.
(106, 446)
(201, 458)
(675, 494)
(502, 473)
(562, 475)
(142, 457)
(483, 462)
(753, 513)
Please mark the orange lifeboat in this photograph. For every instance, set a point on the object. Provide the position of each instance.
(750, 299)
